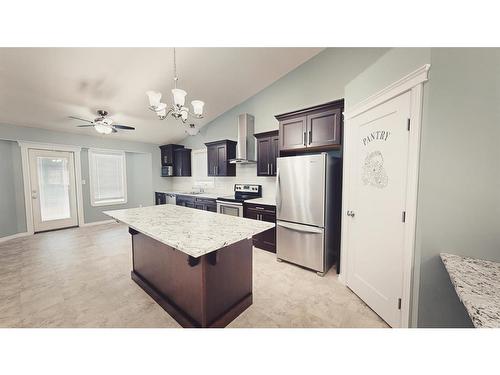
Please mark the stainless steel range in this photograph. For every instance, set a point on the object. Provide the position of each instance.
(233, 204)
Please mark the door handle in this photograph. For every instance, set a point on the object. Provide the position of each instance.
(278, 190)
(299, 228)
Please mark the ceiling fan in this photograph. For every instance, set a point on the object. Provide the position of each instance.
(103, 124)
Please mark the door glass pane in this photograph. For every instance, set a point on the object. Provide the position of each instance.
(53, 188)
(228, 210)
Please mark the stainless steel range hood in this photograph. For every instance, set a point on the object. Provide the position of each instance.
(245, 149)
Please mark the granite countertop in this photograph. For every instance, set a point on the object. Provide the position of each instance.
(194, 232)
(266, 201)
(201, 195)
(197, 195)
(477, 283)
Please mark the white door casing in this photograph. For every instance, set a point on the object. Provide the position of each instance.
(53, 189)
(378, 188)
(412, 85)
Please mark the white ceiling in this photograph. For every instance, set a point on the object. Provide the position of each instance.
(41, 87)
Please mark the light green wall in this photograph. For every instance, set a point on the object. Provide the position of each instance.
(459, 200)
(143, 172)
(319, 80)
(139, 186)
(390, 67)
(11, 197)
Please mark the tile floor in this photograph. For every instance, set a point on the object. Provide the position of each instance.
(81, 278)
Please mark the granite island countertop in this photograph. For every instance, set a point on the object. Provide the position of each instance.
(194, 232)
(477, 283)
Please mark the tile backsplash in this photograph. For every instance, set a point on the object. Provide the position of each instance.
(245, 173)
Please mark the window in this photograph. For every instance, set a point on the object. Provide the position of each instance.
(108, 178)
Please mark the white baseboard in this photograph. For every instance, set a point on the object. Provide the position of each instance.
(98, 223)
(13, 236)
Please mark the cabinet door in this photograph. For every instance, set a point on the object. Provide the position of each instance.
(293, 133)
(212, 161)
(221, 161)
(264, 156)
(199, 206)
(323, 129)
(275, 151)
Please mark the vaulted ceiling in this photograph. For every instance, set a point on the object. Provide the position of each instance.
(41, 87)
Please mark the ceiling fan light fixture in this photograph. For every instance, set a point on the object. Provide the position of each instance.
(103, 129)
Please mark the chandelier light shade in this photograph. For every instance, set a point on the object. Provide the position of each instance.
(197, 107)
(191, 129)
(154, 98)
(179, 97)
(178, 109)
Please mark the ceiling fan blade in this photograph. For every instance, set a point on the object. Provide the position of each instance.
(124, 127)
(84, 126)
(81, 119)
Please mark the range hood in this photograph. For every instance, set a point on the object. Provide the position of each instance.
(245, 149)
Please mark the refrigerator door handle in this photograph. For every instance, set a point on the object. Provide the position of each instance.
(299, 228)
(278, 190)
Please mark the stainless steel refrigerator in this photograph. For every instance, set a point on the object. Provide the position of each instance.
(308, 210)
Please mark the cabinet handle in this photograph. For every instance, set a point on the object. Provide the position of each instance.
(305, 138)
(310, 136)
(267, 168)
(271, 169)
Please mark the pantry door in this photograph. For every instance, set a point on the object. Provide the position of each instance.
(53, 189)
(379, 145)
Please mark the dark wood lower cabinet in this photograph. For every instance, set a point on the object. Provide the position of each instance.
(265, 240)
(208, 291)
(205, 204)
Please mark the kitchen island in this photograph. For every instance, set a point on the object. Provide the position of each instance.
(197, 265)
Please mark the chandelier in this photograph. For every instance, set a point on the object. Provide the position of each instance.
(178, 109)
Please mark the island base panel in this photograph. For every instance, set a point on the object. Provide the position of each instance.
(209, 291)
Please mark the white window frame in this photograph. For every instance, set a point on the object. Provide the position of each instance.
(113, 202)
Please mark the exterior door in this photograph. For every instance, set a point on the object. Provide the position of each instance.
(379, 146)
(53, 189)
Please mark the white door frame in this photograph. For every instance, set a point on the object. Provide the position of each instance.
(28, 204)
(412, 82)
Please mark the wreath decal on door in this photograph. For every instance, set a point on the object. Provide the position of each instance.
(374, 173)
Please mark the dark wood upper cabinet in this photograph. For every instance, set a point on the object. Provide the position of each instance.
(182, 162)
(218, 155)
(293, 133)
(317, 128)
(167, 153)
(267, 152)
